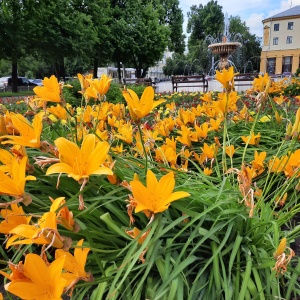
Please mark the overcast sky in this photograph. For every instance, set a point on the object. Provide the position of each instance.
(252, 12)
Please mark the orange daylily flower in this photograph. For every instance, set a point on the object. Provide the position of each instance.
(13, 183)
(140, 108)
(63, 215)
(225, 103)
(165, 153)
(279, 100)
(17, 272)
(101, 85)
(80, 163)
(296, 127)
(156, 196)
(186, 116)
(44, 233)
(90, 92)
(258, 163)
(84, 81)
(230, 150)
(262, 83)
(202, 130)
(215, 124)
(251, 140)
(185, 137)
(171, 106)
(135, 232)
(209, 151)
(278, 164)
(226, 78)
(50, 91)
(125, 133)
(29, 133)
(207, 171)
(12, 218)
(58, 111)
(74, 266)
(6, 158)
(40, 282)
(292, 166)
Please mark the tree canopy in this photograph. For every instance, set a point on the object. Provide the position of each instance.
(82, 34)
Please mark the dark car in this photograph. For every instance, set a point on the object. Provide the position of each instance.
(37, 81)
(22, 81)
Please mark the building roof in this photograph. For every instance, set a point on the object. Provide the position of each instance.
(294, 11)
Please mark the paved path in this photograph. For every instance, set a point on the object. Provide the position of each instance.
(213, 85)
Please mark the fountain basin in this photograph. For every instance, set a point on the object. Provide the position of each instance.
(226, 48)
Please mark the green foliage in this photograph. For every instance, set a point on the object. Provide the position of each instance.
(248, 56)
(174, 19)
(114, 94)
(139, 39)
(293, 89)
(72, 95)
(204, 20)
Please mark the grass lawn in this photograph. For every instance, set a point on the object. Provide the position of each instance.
(19, 94)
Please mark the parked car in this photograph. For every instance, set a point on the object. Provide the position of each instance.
(4, 81)
(38, 82)
(22, 81)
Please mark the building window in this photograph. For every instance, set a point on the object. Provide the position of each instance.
(289, 39)
(287, 64)
(275, 41)
(276, 27)
(290, 25)
(271, 63)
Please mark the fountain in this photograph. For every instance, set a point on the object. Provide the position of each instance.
(224, 48)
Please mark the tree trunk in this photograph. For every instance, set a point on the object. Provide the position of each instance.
(138, 72)
(144, 73)
(60, 69)
(14, 76)
(119, 72)
(95, 69)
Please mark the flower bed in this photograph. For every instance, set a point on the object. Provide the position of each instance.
(174, 196)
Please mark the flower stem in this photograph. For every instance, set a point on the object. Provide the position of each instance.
(144, 149)
(224, 136)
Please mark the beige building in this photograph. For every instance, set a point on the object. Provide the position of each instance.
(281, 42)
(156, 72)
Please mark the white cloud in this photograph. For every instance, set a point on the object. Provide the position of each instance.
(254, 22)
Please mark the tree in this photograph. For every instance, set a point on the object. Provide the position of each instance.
(203, 21)
(49, 30)
(14, 33)
(65, 33)
(139, 39)
(177, 65)
(173, 18)
(246, 57)
(100, 13)
(199, 57)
